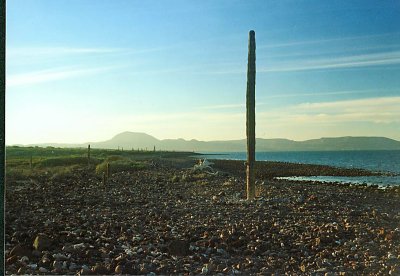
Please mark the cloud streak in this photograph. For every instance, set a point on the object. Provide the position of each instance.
(372, 110)
(377, 59)
(290, 95)
(344, 62)
(328, 40)
(344, 92)
(49, 75)
(21, 54)
(223, 106)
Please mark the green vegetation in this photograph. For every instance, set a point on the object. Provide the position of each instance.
(120, 165)
(23, 163)
(65, 161)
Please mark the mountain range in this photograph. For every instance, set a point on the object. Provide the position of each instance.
(137, 140)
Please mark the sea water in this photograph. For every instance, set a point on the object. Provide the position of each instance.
(377, 161)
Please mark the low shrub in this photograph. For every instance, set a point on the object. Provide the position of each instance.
(63, 172)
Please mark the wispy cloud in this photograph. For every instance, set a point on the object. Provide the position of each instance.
(13, 52)
(342, 92)
(295, 121)
(372, 110)
(337, 50)
(51, 75)
(290, 95)
(376, 59)
(330, 63)
(327, 40)
(52, 52)
(223, 106)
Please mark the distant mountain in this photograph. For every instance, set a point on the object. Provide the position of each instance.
(129, 140)
(136, 140)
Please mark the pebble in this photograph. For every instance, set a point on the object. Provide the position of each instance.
(60, 257)
(119, 269)
(32, 266)
(42, 242)
(73, 267)
(43, 270)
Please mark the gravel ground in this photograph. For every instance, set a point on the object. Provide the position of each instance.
(169, 220)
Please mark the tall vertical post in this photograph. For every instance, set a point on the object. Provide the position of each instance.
(88, 155)
(251, 116)
(30, 162)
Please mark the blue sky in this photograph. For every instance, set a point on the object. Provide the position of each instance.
(80, 71)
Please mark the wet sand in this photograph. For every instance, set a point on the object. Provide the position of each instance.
(169, 220)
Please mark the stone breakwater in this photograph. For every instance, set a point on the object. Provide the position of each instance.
(168, 220)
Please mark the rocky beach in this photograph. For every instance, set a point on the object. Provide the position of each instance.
(167, 219)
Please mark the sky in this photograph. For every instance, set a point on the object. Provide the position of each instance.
(80, 71)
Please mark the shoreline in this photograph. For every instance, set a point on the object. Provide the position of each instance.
(166, 219)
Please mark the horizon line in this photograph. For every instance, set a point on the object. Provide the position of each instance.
(160, 140)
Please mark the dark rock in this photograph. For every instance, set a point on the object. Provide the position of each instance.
(179, 248)
(12, 260)
(36, 253)
(42, 242)
(20, 251)
(45, 261)
(130, 269)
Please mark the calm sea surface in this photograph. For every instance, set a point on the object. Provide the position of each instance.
(387, 161)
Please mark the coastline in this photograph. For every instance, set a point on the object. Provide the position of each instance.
(167, 219)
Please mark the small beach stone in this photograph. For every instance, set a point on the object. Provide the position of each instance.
(100, 269)
(119, 269)
(43, 270)
(179, 248)
(42, 242)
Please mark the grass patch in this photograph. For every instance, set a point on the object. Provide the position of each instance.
(114, 158)
(120, 165)
(65, 161)
(15, 174)
(53, 162)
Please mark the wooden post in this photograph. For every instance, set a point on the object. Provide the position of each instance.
(104, 179)
(30, 162)
(108, 171)
(251, 116)
(88, 155)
